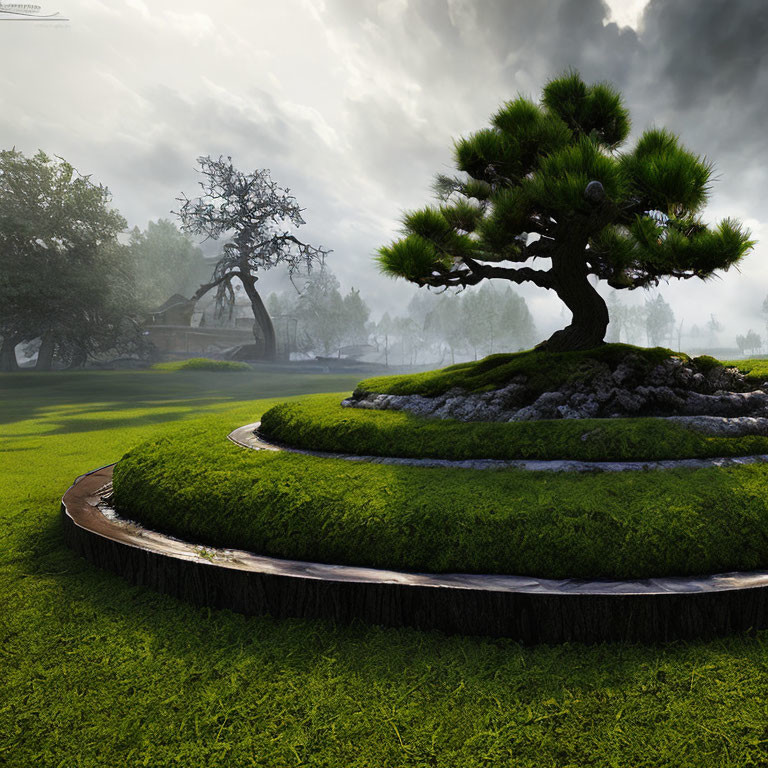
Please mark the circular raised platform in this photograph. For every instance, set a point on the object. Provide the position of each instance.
(527, 609)
(248, 436)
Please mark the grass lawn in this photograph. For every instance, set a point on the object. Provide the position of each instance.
(94, 672)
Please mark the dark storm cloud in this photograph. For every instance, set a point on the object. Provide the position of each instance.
(549, 38)
(450, 63)
(688, 56)
(479, 39)
(698, 67)
(706, 66)
(709, 49)
(467, 58)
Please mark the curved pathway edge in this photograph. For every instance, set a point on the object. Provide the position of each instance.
(528, 609)
(247, 437)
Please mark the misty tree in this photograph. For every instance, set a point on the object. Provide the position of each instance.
(166, 261)
(355, 318)
(475, 323)
(319, 308)
(518, 330)
(326, 319)
(748, 343)
(714, 326)
(381, 333)
(64, 277)
(695, 332)
(617, 318)
(659, 320)
(765, 313)
(493, 321)
(425, 310)
(627, 321)
(252, 211)
(545, 181)
(410, 339)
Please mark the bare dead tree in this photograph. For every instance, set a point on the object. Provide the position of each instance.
(251, 211)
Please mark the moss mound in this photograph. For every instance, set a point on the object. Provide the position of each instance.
(195, 484)
(321, 423)
(543, 371)
(202, 364)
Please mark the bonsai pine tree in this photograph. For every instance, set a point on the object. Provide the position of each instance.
(546, 182)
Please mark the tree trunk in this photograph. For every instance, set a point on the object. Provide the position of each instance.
(79, 359)
(8, 360)
(45, 354)
(260, 314)
(590, 313)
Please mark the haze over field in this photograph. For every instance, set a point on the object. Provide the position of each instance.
(353, 105)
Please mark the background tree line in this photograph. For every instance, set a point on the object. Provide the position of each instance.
(654, 323)
(74, 283)
(435, 327)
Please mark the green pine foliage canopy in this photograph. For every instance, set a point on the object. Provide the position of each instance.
(546, 181)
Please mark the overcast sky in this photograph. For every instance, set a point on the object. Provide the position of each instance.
(353, 105)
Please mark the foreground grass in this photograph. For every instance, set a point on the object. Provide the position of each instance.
(94, 672)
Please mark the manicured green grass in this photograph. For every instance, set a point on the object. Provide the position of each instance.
(194, 484)
(544, 371)
(321, 423)
(202, 364)
(756, 369)
(94, 672)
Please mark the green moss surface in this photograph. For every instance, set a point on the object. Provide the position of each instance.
(321, 423)
(193, 483)
(202, 364)
(757, 370)
(544, 371)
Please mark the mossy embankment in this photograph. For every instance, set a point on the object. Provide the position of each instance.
(542, 371)
(321, 423)
(195, 484)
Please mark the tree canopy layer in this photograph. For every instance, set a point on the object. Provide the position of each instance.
(546, 181)
(63, 275)
(166, 261)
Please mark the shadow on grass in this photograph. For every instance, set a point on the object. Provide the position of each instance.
(75, 425)
(41, 552)
(26, 395)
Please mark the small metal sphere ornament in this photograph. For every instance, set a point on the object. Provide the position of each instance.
(594, 192)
